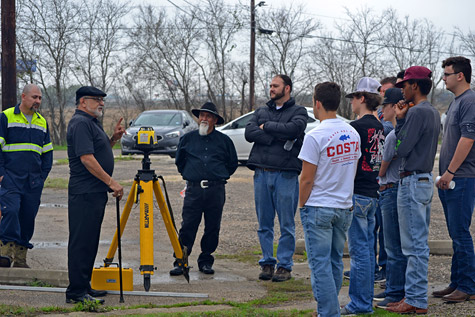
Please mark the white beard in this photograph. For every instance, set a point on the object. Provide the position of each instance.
(203, 130)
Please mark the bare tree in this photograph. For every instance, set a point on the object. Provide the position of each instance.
(467, 44)
(285, 51)
(98, 50)
(221, 24)
(333, 63)
(163, 48)
(414, 42)
(362, 34)
(239, 79)
(47, 31)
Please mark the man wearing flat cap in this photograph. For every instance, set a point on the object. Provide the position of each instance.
(205, 158)
(417, 132)
(91, 163)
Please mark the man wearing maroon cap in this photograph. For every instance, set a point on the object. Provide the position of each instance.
(417, 133)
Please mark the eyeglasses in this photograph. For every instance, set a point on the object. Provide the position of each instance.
(448, 74)
(98, 99)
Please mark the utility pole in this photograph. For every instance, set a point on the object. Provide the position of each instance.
(253, 56)
(8, 54)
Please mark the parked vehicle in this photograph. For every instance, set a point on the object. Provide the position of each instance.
(235, 130)
(169, 127)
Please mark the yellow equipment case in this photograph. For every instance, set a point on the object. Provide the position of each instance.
(107, 278)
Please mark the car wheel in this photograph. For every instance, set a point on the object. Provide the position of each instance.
(172, 155)
(243, 162)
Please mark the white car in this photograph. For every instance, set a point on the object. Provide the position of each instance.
(235, 130)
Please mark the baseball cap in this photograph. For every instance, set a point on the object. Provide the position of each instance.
(392, 95)
(366, 84)
(415, 72)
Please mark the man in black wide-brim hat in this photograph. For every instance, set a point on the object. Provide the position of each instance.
(205, 158)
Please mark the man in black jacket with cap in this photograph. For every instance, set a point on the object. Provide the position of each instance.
(205, 158)
(91, 163)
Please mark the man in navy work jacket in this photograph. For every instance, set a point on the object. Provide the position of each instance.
(91, 163)
(277, 131)
(26, 157)
(205, 158)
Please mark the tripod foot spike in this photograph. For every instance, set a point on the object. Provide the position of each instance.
(146, 282)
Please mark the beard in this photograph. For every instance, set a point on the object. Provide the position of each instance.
(96, 112)
(277, 96)
(203, 130)
(34, 108)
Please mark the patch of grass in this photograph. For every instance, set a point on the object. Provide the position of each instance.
(91, 306)
(62, 162)
(38, 283)
(57, 147)
(58, 183)
(127, 158)
(254, 254)
(248, 256)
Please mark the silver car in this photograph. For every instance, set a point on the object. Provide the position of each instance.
(235, 130)
(169, 127)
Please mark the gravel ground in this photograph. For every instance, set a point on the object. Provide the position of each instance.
(238, 230)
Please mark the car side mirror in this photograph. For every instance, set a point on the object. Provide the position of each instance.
(131, 122)
(186, 123)
(234, 125)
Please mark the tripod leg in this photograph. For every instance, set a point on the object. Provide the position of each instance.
(146, 231)
(123, 221)
(172, 234)
(180, 254)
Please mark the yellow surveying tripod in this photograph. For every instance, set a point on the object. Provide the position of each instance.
(145, 184)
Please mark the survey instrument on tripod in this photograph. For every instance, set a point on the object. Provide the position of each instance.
(143, 189)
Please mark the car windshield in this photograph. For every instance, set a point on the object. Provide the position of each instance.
(159, 119)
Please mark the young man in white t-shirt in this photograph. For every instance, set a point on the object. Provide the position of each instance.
(330, 154)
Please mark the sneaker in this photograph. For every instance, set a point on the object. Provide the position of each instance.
(379, 297)
(380, 276)
(267, 272)
(384, 304)
(281, 275)
(345, 312)
(346, 275)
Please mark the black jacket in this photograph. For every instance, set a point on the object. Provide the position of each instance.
(287, 123)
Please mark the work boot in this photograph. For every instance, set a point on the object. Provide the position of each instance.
(19, 259)
(267, 272)
(281, 275)
(6, 253)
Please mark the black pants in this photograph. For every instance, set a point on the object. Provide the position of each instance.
(85, 212)
(208, 201)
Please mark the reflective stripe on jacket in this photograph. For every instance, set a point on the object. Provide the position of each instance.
(26, 150)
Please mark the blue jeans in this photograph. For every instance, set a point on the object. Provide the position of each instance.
(361, 247)
(458, 206)
(276, 192)
(397, 262)
(413, 203)
(381, 256)
(325, 235)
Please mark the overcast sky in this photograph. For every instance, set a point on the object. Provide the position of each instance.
(445, 14)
